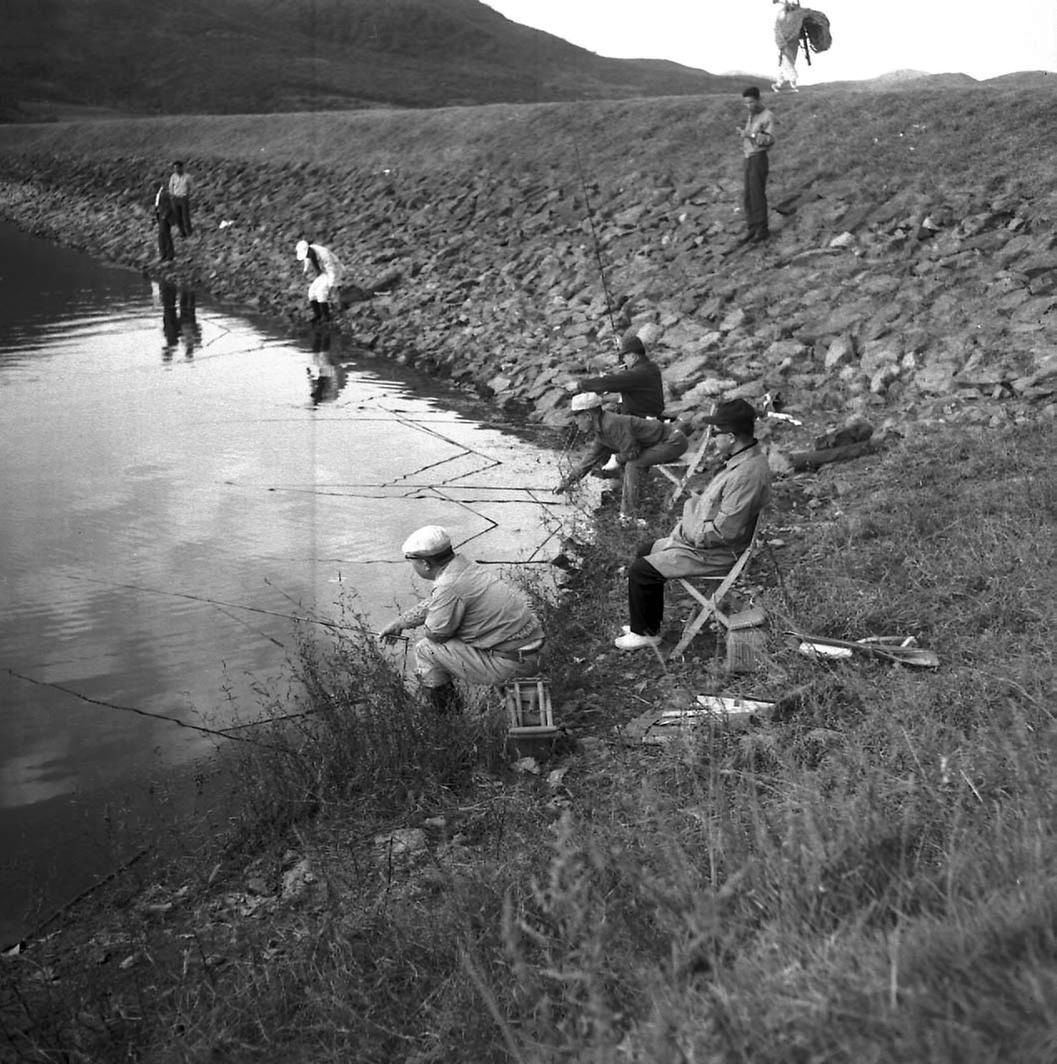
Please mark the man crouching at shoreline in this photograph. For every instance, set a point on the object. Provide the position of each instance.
(716, 526)
(479, 629)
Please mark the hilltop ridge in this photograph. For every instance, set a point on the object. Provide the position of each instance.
(256, 56)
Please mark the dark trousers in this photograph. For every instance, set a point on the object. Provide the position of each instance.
(754, 200)
(645, 595)
(166, 251)
(182, 206)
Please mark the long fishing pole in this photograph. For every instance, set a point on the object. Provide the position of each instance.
(594, 236)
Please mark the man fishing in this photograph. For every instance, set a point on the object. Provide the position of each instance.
(479, 629)
(637, 442)
(716, 526)
(639, 383)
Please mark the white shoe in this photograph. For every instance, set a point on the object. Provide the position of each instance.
(626, 521)
(633, 641)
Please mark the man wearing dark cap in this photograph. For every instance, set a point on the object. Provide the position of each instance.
(716, 526)
(479, 629)
(640, 386)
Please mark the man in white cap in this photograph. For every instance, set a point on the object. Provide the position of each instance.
(327, 272)
(479, 629)
(637, 442)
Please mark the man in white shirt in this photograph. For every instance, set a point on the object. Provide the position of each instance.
(180, 190)
(757, 137)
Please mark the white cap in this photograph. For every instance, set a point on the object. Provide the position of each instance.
(301, 250)
(427, 542)
(586, 401)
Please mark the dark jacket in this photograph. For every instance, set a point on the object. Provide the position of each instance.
(641, 390)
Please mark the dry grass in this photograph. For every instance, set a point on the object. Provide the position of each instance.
(870, 878)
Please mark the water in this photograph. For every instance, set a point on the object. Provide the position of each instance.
(178, 484)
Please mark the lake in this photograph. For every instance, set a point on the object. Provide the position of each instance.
(180, 484)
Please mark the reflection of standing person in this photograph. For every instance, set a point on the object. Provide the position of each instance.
(787, 42)
(180, 190)
(190, 331)
(170, 323)
(329, 377)
(165, 215)
(326, 271)
(757, 136)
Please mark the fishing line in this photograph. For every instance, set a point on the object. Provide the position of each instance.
(146, 713)
(594, 236)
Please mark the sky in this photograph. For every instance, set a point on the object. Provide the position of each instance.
(982, 38)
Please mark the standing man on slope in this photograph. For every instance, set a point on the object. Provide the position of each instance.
(757, 137)
(180, 190)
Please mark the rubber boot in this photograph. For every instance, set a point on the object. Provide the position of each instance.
(444, 700)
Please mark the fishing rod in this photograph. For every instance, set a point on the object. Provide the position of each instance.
(594, 236)
(147, 713)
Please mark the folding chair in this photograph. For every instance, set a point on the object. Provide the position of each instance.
(710, 604)
(690, 466)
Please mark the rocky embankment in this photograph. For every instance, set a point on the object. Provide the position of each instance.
(901, 288)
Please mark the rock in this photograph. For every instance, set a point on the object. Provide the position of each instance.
(403, 842)
(297, 881)
(841, 352)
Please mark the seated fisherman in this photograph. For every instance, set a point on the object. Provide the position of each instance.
(639, 384)
(716, 526)
(637, 442)
(479, 629)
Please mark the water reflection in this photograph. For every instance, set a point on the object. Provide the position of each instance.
(327, 373)
(162, 532)
(179, 318)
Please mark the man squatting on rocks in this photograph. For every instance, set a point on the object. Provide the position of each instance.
(637, 442)
(757, 137)
(716, 526)
(327, 274)
(639, 385)
(479, 629)
(180, 190)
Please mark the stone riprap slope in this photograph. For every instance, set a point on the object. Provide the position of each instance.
(912, 273)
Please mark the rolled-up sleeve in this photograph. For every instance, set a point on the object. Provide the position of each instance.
(445, 614)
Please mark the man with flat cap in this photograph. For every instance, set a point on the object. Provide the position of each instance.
(479, 629)
(716, 526)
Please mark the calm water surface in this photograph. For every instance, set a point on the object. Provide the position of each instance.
(178, 485)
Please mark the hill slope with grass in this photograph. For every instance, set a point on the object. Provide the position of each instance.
(868, 876)
(234, 56)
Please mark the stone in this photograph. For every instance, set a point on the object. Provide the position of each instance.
(877, 354)
(840, 352)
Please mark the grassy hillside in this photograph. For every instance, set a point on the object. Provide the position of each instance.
(301, 55)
